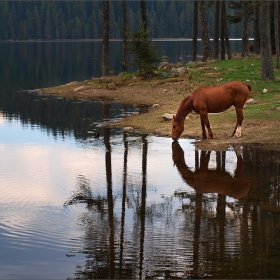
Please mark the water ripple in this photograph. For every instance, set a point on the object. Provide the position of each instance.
(36, 227)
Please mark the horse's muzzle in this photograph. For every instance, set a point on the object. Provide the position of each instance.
(175, 139)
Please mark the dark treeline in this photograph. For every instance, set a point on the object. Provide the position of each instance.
(50, 20)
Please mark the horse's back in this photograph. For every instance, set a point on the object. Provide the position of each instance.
(220, 98)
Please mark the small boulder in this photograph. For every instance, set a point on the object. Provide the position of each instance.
(164, 65)
(164, 74)
(112, 86)
(179, 64)
(168, 116)
(105, 80)
(177, 72)
(80, 88)
(251, 101)
(128, 128)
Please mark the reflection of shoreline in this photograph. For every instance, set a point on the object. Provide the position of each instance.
(2, 119)
(204, 180)
(111, 40)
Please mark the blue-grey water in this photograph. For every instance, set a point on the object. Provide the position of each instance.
(121, 205)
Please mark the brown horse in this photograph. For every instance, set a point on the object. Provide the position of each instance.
(203, 180)
(206, 100)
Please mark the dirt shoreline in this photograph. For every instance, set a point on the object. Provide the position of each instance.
(164, 96)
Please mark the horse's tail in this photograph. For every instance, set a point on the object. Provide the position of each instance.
(249, 87)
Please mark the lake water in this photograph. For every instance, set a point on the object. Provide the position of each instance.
(121, 205)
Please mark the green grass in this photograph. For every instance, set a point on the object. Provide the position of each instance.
(246, 70)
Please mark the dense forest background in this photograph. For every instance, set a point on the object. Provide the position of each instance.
(51, 20)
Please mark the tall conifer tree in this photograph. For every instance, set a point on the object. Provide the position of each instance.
(124, 34)
(105, 39)
(194, 31)
(267, 72)
(204, 30)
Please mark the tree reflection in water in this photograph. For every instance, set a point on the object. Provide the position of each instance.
(205, 180)
(206, 235)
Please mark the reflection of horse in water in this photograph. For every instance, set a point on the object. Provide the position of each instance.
(204, 180)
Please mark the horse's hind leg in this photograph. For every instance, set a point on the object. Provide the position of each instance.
(203, 129)
(204, 160)
(237, 130)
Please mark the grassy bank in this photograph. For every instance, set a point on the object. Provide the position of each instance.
(261, 120)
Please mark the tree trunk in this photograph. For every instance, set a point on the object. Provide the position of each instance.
(143, 14)
(124, 30)
(227, 42)
(276, 28)
(216, 29)
(194, 38)
(256, 28)
(265, 44)
(223, 52)
(245, 46)
(105, 39)
(204, 31)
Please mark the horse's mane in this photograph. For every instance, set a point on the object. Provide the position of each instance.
(182, 108)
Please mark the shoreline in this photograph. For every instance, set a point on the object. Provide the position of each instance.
(113, 40)
(165, 95)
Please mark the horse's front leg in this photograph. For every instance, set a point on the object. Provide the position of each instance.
(237, 130)
(203, 128)
(205, 121)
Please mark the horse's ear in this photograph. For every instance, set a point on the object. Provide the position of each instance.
(174, 118)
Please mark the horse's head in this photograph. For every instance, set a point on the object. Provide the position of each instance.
(177, 153)
(177, 128)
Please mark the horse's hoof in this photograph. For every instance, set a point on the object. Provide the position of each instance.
(235, 136)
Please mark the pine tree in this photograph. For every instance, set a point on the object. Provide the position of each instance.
(245, 17)
(204, 31)
(37, 23)
(245, 9)
(48, 26)
(194, 35)
(267, 72)
(256, 28)
(226, 37)
(3, 19)
(143, 51)
(276, 30)
(105, 39)
(124, 36)
(144, 14)
(216, 29)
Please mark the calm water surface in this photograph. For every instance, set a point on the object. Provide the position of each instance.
(122, 205)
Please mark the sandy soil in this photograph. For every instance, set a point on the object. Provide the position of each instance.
(164, 96)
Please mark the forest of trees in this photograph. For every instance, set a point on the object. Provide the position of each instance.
(51, 20)
(220, 20)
